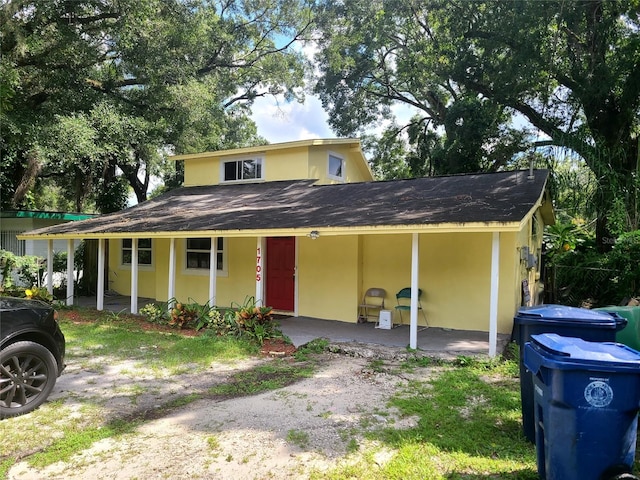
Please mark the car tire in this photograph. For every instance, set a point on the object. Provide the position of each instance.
(28, 373)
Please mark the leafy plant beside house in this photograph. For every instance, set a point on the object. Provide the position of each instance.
(255, 322)
(182, 315)
(241, 320)
(27, 268)
(578, 274)
(155, 313)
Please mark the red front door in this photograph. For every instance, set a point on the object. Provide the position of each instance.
(280, 266)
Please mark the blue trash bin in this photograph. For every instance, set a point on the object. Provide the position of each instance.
(575, 322)
(586, 401)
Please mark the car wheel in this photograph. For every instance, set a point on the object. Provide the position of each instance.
(28, 372)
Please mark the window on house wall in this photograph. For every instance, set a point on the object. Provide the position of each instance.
(144, 251)
(199, 253)
(336, 167)
(242, 170)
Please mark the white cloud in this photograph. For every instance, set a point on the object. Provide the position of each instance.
(284, 122)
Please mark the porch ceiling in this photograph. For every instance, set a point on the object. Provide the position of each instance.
(500, 200)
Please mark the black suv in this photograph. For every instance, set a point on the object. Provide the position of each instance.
(31, 354)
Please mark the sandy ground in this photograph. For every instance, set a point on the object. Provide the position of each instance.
(281, 434)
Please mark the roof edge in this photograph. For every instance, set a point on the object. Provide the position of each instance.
(477, 227)
(268, 147)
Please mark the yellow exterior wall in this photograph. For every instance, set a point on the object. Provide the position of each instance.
(232, 286)
(290, 164)
(328, 278)
(531, 236)
(454, 274)
(120, 275)
(334, 271)
(202, 171)
(319, 163)
(286, 164)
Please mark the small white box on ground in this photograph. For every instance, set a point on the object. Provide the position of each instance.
(384, 320)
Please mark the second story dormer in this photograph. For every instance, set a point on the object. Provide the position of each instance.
(325, 160)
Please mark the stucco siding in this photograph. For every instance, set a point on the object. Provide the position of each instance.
(355, 171)
(454, 274)
(328, 278)
(201, 171)
(120, 275)
(286, 165)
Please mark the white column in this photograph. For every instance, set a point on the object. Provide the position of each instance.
(134, 276)
(70, 279)
(100, 286)
(415, 261)
(213, 271)
(50, 267)
(171, 292)
(493, 303)
(260, 252)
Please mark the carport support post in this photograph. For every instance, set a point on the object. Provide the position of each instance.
(213, 272)
(70, 272)
(50, 267)
(134, 276)
(493, 303)
(171, 292)
(100, 286)
(415, 260)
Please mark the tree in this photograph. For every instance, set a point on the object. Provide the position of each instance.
(569, 69)
(98, 87)
(372, 56)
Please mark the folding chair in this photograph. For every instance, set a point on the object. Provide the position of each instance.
(403, 297)
(372, 303)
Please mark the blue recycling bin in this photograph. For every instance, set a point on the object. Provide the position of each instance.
(582, 323)
(586, 401)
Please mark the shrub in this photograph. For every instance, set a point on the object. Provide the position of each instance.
(155, 313)
(27, 267)
(39, 293)
(256, 322)
(247, 320)
(183, 315)
(584, 274)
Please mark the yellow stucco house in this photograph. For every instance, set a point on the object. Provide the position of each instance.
(304, 228)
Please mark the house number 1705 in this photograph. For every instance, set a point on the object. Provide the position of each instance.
(259, 264)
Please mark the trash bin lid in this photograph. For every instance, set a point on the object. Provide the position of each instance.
(560, 352)
(568, 315)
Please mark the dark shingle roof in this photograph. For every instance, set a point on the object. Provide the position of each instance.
(503, 197)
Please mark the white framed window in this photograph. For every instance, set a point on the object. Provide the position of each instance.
(243, 170)
(335, 167)
(198, 255)
(145, 251)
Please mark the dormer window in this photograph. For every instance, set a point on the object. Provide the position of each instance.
(336, 167)
(244, 170)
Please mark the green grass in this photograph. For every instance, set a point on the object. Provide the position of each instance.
(467, 412)
(124, 339)
(75, 441)
(274, 375)
(315, 346)
(57, 430)
(468, 427)
(298, 438)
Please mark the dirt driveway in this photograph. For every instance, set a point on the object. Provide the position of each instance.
(281, 434)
